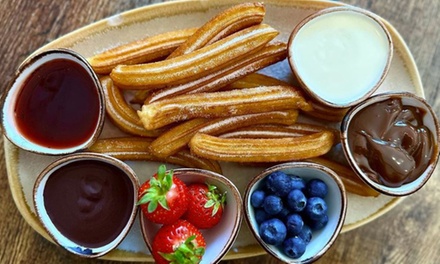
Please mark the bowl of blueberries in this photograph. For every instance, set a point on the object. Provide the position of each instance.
(296, 210)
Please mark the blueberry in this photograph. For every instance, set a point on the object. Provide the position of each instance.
(279, 183)
(260, 216)
(296, 200)
(283, 214)
(319, 223)
(294, 247)
(294, 224)
(257, 198)
(316, 188)
(306, 233)
(273, 231)
(298, 183)
(316, 208)
(273, 204)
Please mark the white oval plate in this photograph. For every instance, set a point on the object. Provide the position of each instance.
(23, 167)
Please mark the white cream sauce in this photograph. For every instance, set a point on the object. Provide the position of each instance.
(340, 55)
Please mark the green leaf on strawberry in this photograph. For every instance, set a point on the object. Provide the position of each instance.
(164, 198)
(215, 198)
(206, 204)
(180, 242)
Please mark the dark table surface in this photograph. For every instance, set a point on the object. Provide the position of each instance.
(408, 234)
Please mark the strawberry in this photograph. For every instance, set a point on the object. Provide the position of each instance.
(205, 207)
(164, 198)
(180, 242)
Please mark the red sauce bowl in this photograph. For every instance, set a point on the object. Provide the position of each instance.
(54, 105)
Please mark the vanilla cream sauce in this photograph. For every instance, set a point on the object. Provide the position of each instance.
(340, 55)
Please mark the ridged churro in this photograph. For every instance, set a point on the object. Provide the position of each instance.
(279, 131)
(255, 80)
(121, 113)
(140, 51)
(196, 64)
(268, 55)
(179, 136)
(221, 104)
(225, 23)
(136, 148)
(261, 150)
(320, 111)
(352, 182)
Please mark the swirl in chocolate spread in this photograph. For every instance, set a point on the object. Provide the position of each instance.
(390, 143)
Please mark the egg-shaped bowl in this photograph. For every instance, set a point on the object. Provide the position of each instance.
(54, 105)
(391, 142)
(86, 202)
(340, 55)
(322, 237)
(219, 238)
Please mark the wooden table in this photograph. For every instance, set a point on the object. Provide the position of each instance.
(408, 234)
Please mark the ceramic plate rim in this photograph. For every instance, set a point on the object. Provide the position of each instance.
(161, 10)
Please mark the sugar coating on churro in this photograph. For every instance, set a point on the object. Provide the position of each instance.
(261, 149)
(221, 104)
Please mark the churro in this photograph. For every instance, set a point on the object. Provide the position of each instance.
(255, 80)
(261, 150)
(136, 148)
(196, 64)
(279, 131)
(351, 181)
(268, 55)
(319, 111)
(121, 113)
(179, 136)
(140, 51)
(221, 104)
(225, 23)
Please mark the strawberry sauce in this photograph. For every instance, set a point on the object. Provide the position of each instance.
(58, 106)
(89, 201)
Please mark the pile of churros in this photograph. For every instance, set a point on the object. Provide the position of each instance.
(198, 99)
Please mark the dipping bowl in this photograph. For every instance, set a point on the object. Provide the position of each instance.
(336, 201)
(391, 142)
(86, 202)
(219, 238)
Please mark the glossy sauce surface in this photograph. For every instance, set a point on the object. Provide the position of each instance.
(340, 55)
(89, 201)
(58, 106)
(390, 142)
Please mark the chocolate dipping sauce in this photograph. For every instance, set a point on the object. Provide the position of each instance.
(390, 142)
(89, 201)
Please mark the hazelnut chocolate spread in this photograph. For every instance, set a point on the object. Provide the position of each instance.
(390, 142)
(89, 201)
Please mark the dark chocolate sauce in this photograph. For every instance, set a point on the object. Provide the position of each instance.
(89, 201)
(58, 106)
(390, 142)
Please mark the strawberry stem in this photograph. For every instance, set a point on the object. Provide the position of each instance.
(216, 199)
(186, 253)
(159, 186)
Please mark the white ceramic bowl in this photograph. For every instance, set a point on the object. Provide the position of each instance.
(82, 210)
(429, 120)
(219, 238)
(336, 201)
(41, 70)
(340, 55)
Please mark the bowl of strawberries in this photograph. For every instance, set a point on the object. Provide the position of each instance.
(189, 214)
